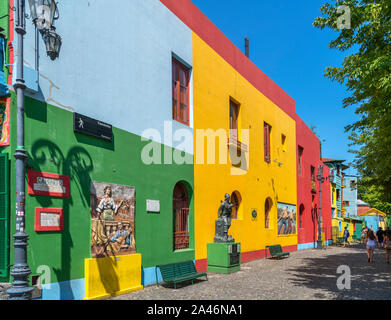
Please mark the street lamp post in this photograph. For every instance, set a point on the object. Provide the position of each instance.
(42, 11)
(20, 289)
(321, 179)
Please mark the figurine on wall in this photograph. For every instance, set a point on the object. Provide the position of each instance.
(223, 221)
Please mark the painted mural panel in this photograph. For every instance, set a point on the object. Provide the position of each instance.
(286, 218)
(112, 219)
(4, 122)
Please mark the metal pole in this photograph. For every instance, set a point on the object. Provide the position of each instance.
(20, 289)
(319, 242)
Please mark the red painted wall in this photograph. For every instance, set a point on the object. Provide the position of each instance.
(311, 157)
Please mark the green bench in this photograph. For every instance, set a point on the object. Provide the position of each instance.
(339, 240)
(174, 273)
(276, 251)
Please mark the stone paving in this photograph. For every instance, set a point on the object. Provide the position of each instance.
(305, 275)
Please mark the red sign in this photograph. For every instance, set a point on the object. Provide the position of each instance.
(49, 219)
(48, 184)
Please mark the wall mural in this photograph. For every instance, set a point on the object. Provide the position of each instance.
(286, 218)
(112, 219)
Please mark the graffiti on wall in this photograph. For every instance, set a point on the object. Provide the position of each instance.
(286, 218)
(112, 220)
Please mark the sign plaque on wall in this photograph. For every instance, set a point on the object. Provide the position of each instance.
(92, 127)
(49, 219)
(48, 184)
(153, 206)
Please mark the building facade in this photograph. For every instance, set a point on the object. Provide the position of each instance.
(188, 119)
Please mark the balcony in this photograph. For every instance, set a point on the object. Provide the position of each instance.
(233, 141)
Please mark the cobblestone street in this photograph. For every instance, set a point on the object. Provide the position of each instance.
(305, 275)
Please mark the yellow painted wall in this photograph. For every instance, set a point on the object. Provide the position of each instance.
(215, 82)
(335, 228)
(333, 191)
(112, 276)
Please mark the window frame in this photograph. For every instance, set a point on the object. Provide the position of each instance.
(176, 108)
(267, 128)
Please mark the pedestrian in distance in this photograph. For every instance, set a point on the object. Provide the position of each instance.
(387, 245)
(371, 244)
(380, 237)
(364, 234)
(346, 236)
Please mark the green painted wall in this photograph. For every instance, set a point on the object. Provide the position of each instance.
(53, 147)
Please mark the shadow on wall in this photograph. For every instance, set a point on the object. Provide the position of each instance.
(77, 164)
(108, 275)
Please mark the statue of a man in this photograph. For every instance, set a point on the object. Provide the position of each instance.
(224, 221)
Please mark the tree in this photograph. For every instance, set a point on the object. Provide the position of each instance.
(367, 75)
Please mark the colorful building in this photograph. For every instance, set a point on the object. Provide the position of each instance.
(350, 195)
(308, 162)
(374, 218)
(105, 207)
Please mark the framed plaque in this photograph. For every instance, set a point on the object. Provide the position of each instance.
(49, 219)
(153, 206)
(48, 184)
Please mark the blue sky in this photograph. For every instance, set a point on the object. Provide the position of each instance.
(294, 54)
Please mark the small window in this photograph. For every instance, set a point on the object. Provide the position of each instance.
(353, 184)
(346, 203)
(236, 201)
(268, 206)
(300, 161)
(180, 92)
(283, 142)
(301, 212)
(266, 136)
(234, 109)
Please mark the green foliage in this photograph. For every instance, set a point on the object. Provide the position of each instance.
(366, 73)
(372, 194)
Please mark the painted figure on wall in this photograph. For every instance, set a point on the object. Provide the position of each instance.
(112, 220)
(286, 219)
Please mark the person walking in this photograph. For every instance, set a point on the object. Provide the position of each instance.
(380, 237)
(364, 234)
(371, 244)
(387, 245)
(346, 235)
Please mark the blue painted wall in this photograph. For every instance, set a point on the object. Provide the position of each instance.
(350, 194)
(129, 83)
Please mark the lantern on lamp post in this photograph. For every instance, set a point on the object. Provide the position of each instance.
(43, 14)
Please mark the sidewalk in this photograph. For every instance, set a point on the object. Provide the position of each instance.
(305, 275)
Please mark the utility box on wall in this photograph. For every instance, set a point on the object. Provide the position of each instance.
(223, 257)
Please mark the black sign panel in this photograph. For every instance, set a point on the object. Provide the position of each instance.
(92, 127)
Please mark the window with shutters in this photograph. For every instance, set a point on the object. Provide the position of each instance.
(266, 137)
(4, 212)
(180, 92)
